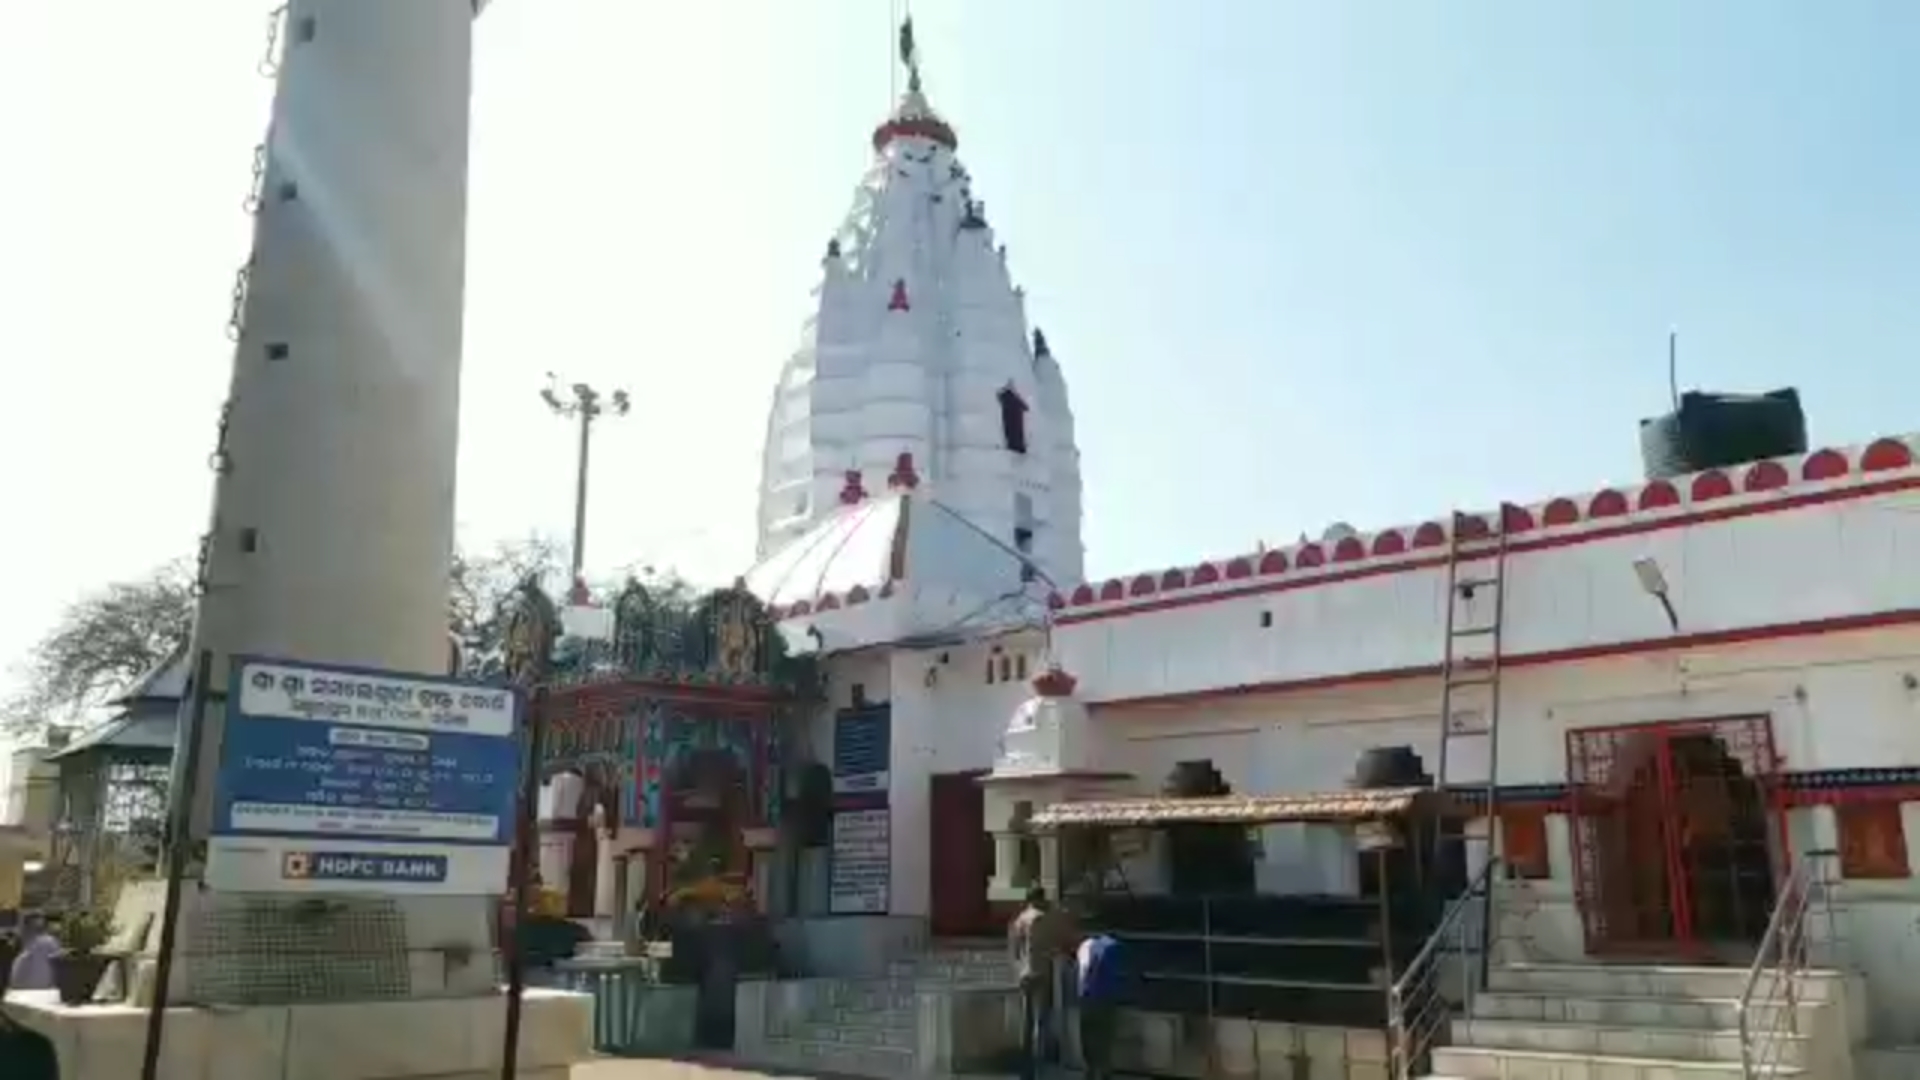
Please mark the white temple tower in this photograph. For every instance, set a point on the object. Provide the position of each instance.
(921, 347)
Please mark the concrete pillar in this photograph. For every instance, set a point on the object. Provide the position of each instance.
(333, 509)
(1006, 868)
(604, 883)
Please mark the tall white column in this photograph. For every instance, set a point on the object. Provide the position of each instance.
(333, 511)
(333, 518)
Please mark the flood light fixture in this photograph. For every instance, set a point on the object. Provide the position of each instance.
(1653, 581)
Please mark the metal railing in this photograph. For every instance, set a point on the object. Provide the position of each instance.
(1419, 1004)
(1769, 1006)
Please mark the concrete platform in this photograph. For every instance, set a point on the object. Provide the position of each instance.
(448, 1039)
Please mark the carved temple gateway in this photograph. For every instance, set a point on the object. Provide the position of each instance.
(661, 755)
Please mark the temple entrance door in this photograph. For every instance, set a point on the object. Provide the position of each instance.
(960, 858)
(1673, 829)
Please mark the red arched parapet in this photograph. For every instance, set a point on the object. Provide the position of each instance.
(1826, 464)
(1241, 567)
(1766, 476)
(1310, 555)
(1659, 495)
(858, 595)
(1113, 590)
(1471, 527)
(827, 602)
(1205, 574)
(1429, 535)
(1273, 562)
(1883, 454)
(1349, 549)
(1710, 485)
(1174, 579)
(775, 612)
(1606, 503)
(1390, 542)
(1055, 601)
(1082, 594)
(1560, 512)
(1515, 518)
(1142, 586)
(800, 607)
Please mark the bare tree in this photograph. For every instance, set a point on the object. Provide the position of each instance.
(478, 583)
(100, 645)
(109, 638)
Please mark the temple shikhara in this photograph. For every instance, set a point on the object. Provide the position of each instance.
(1622, 782)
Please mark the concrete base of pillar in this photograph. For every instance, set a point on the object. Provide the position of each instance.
(279, 949)
(384, 1040)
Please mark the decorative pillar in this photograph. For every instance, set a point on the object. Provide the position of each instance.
(604, 883)
(1006, 885)
(1050, 863)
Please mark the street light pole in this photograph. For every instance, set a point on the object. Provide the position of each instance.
(584, 404)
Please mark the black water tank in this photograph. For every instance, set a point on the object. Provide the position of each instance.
(1389, 767)
(1710, 431)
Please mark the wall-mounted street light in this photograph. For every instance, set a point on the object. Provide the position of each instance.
(585, 404)
(1653, 581)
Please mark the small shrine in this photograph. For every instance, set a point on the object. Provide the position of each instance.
(661, 752)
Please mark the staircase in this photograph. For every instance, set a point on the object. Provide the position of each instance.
(877, 1027)
(1780, 1016)
(1606, 1022)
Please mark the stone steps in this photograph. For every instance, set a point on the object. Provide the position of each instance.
(1660, 981)
(1678, 1043)
(1636, 1022)
(1630, 1010)
(1484, 1063)
(806, 1054)
(870, 1027)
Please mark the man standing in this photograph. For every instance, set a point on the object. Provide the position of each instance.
(33, 967)
(1033, 940)
(1100, 985)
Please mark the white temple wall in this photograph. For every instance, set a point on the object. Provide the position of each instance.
(1766, 571)
(1838, 701)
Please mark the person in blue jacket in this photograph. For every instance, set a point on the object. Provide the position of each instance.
(1102, 978)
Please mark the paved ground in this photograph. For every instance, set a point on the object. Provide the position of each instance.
(669, 1069)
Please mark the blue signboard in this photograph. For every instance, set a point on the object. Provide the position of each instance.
(334, 780)
(862, 749)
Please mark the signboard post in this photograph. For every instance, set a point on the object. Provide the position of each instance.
(337, 780)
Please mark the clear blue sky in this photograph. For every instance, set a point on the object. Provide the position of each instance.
(1301, 261)
(1366, 260)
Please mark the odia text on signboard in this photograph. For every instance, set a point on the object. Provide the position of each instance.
(862, 744)
(862, 862)
(336, 780)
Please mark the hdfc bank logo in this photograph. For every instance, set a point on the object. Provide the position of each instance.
(296, 866)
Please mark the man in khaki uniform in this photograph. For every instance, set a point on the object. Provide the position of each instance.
(1036, 938)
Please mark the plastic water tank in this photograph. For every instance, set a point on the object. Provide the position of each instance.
(1712, 430)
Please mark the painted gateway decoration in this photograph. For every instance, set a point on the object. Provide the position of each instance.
(661, 749)
(1663, 704)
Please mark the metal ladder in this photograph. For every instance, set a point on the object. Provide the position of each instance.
(1470, 668)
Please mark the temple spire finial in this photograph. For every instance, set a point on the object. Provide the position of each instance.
(909, 55)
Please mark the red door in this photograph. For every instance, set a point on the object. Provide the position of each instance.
(959, 859)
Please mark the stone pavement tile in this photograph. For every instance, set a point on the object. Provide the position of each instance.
(696, 1069)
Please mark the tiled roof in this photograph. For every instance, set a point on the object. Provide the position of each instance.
(1714, 491)
(1327, 806)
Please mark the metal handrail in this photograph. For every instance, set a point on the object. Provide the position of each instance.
(1773, 981)
(1416, 1005)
